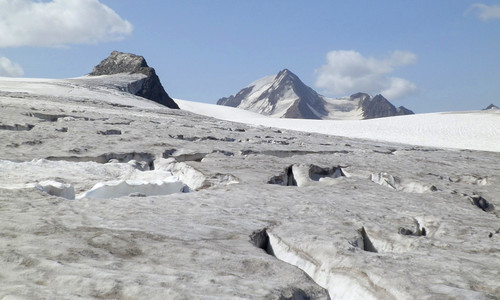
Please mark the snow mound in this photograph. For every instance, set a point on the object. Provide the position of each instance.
(120, 188)
(58, 189)
(385, 179)
(192, 177)
(395, 183)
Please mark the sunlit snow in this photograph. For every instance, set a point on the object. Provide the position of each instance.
(475, 130)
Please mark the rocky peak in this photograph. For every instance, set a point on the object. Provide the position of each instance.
(273, 91)
(119, 62)
(491, 106)
(285, 72)
(380, 107)
(152, 89)
(286, 75)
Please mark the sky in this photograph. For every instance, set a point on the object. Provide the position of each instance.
(426, 55)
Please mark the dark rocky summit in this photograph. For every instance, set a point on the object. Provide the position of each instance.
(404, 111)
(380, 107)
(491, 106)
(151, 88)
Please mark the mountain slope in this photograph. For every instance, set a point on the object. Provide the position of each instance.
(286, 96)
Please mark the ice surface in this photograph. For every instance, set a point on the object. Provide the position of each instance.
(344, 237)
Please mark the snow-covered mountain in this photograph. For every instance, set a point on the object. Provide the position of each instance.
(286, 96)
(283, 95)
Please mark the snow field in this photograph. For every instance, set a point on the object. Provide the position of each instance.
(478, 130)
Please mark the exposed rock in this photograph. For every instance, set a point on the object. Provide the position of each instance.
(150, 88)
(110, 132)
(380, 107)
(359, 95)
(491, 106)
(404, 111)
(482, 203)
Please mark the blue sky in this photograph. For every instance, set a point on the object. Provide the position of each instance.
(426, 55)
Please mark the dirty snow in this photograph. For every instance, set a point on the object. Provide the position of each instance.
(329, 236)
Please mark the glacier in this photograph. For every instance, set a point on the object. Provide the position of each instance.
(394, 208)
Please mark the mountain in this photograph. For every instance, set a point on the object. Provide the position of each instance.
(150, 87)
(491, 106)
(283, 95)
(286, 96)
(380, 107)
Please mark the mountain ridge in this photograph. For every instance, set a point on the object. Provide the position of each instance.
(286, 96)
(491, 106)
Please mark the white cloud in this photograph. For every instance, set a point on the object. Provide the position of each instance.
(59, 23)
(9, 68)
(398, 88)
(485, 12)
(350, 72)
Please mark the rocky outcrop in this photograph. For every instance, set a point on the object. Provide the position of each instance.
(361, 96)
(151, 87)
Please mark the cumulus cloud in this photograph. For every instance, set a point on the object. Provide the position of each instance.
(485, 12)
(350, 72)
(59, 23)
(9, 68)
